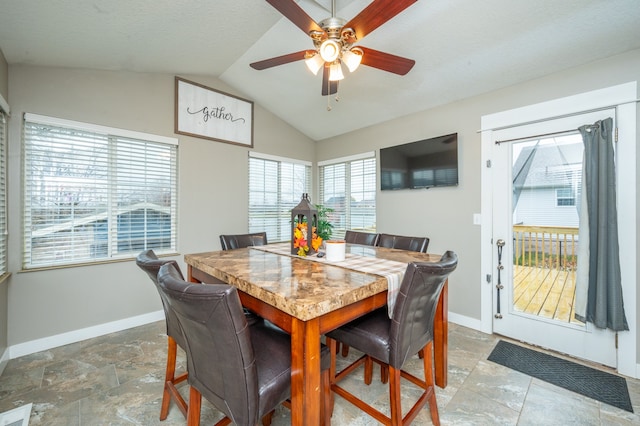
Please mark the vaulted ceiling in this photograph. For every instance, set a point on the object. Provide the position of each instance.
(461, 48)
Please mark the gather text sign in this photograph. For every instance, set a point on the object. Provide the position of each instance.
(207, 113)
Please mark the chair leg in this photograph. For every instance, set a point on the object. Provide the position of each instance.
(384, 373)
(266, 419)
(394, 396)
(345, 350)
(195, 401)
(170, 380)
(430, 382)
(368, 370)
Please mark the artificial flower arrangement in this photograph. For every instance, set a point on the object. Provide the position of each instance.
(301, 241)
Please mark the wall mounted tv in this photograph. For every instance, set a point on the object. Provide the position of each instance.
(421, 164)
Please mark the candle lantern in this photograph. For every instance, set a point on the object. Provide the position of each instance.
(304, 220)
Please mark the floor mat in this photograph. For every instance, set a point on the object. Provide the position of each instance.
(596, 384)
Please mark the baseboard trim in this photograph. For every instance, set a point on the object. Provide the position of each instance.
(46, 343)
(4, 360)
(465, 321)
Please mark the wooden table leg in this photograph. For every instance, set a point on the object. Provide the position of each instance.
(306, 392)
(441, 337)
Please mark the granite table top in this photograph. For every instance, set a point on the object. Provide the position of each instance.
(302, 288)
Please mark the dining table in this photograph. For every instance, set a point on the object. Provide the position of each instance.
(309, 296)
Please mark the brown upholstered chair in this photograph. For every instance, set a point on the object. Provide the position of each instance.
(149, 262)
(391, 342)
(419, 244)
(243, 369)
(231, 242)
(364, 238)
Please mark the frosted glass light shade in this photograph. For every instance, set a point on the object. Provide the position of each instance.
(329, 50)
(335, 72)
(352, 58)
(314, 63)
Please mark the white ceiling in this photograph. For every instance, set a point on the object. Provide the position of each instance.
(461, 48)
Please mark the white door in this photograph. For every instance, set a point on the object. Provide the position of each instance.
(536, 175)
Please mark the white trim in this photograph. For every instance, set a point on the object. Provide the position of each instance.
(363, 156)
(597, 99)
(278, 158)
(4, 360)
(105, 130)
(619, 96)
(466, 321)
(17, 416)
(26, 348)
(4, 106)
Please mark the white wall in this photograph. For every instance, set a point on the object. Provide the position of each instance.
(212, 192)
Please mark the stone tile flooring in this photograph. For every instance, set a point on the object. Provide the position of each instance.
(117, 380)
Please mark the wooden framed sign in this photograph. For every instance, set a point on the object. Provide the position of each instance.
(210, 114)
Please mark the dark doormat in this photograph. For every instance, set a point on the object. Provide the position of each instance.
(596, 384)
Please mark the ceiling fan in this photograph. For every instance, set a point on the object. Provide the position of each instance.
(334, 38)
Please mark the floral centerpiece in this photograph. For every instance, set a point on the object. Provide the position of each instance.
(310, 227)
(301, 239)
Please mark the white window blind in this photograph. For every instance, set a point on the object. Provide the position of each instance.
(3, 193)
(348, 186)
(276, 186)
(93, 193)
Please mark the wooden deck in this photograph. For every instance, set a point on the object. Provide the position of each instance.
(548, 293)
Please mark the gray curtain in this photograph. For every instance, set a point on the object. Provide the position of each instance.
(604, 307)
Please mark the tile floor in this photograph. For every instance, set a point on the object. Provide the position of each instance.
(117, 380)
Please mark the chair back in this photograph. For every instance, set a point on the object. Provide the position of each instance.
(364, 238)
(149, 262)
(231, 242)
(220, 356)
(415, 307)
(419, 244)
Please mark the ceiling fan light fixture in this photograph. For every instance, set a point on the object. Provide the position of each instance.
(329, 50)
(352, 58)
(335, 72)
(314, 62)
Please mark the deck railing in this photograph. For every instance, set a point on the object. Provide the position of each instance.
(552, 247)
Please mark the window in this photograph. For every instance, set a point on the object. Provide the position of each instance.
(94, 193)
(565, 197)
(276, 186)
(3, 193)
(348, 186)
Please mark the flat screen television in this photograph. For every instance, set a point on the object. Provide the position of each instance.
(422, 164)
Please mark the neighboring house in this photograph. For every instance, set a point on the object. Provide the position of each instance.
(547, 185)
(89, 235)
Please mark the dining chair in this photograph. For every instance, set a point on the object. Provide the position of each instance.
(243, 369)
(364, 238)
(391, 342)
(236, 241)
(419, 244)
(149, 262)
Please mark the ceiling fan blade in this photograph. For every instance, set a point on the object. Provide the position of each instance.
(377, 13)
(279, 60)
(386, 61)
(328, 87)
(294, 13)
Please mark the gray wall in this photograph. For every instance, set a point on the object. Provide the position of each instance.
(445, 214)
(212, 191)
